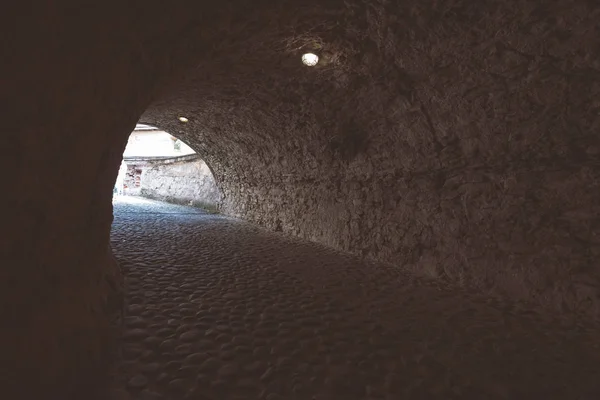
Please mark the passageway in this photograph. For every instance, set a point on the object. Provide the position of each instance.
(219, 309)
(453, 140)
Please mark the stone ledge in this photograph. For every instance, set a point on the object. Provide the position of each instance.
(161, 160)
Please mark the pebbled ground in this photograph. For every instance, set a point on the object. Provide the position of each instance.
(219, 309)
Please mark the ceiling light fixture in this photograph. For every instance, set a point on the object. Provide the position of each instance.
(183, 119)
(310, 59)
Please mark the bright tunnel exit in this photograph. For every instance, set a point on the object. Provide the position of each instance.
(159, 166)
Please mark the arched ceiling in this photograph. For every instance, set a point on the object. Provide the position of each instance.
(458, 139)
(421, 136)
(455, 139)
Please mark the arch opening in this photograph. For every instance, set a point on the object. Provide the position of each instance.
(159, 166)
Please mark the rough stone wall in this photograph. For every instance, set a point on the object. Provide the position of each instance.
(132, 181)
(459, 140)
(183, 182)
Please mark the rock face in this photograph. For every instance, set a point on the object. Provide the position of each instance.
(184, 182)
(459, 140)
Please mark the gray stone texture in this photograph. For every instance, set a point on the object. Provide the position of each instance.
(188, 181)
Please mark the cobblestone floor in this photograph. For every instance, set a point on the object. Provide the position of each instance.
(219, 309)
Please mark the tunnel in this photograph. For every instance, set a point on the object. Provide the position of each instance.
(456, 141)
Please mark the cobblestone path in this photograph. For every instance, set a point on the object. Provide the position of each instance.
(219, 309)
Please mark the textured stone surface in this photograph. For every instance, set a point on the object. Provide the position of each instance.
(459, 140)
(252, 315)
(454, 139)
(184, 182)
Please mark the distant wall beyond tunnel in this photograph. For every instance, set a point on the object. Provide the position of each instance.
(182, 180)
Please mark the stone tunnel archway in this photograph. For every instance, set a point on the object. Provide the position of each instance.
(160, 166)
(407, 148)
(458, 141)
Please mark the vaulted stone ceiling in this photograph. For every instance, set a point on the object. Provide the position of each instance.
(457, 139)
(451, 138)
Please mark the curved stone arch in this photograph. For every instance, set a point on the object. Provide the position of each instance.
(457, 140)
(409, 141)
(161, 168)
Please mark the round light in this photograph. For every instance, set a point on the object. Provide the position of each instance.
(310, 59)
(183, 119)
